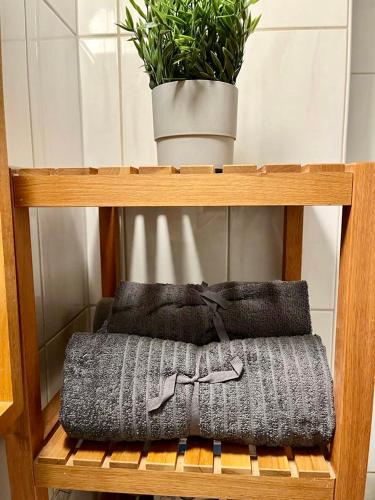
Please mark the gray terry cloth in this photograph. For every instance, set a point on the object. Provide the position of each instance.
(282, 396)
(178, 312)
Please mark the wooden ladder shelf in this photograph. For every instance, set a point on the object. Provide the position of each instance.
(196, 467)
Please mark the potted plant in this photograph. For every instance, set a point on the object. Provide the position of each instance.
(192, 51)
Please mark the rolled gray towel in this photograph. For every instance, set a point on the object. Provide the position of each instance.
(184, 313)
(265, 391)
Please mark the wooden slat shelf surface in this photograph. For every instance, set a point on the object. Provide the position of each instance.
(237, 185)
(168, 469)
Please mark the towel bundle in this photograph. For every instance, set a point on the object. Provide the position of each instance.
(264, 391)
(233, 361)
(191, 313)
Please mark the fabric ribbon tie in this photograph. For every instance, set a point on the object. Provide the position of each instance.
(169, 384)
(214, 300)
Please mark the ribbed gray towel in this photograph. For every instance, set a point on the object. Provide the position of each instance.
(187, 312)
(278, 391)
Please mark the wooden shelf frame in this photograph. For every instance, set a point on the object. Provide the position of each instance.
(11, 397)
(198, 468)
(352, 186)
(131, 187)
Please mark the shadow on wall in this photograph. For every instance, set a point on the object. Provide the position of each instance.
(180, 245)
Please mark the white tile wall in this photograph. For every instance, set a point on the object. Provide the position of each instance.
(12, 14)
(320, 240)
(322, 325)
(96, 16)
(255, 239)
(301, 13)
(66, 10)
(138, 136)
(55, 102)
(16, 103)
(361, 143)
(64, 265)
(100, 101)
(370, 487)
(55, 349)
(176, 245)
(291, 108)
(363, 42)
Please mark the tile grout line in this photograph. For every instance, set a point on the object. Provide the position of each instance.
(61, 18)
(69, 324)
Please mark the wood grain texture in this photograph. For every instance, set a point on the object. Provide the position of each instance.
(157, 170)
(240, 169)
(197, 169)
(11, 397)
(235, 459)
(58, 448)
(109, 250)
(162, 455)
(321, 188)
(199, 456)
(90, 454)
(325, 167)
(292, 243)
(355, 338)
(117, 171)
(57, 171)
(273, 169)
(126, 455)
(184, 484)
(27, 435)
(273, 462)
(311, 463)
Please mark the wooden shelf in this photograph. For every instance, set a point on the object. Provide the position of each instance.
(198, 467)
(165, 186)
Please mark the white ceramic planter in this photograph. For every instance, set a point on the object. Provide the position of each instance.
(195, 122)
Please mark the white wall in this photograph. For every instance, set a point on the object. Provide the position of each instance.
(75, 93)
(361, 124)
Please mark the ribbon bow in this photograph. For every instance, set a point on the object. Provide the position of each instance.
(169, 384)
(213, 300)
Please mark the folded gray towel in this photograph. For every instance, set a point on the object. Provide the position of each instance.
(191, 313)
(265, 391)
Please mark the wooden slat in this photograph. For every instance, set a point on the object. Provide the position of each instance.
(57, 171)
(311, 463)
(158, 170)
(355, 339)
(183, 484)
(199, 455)
(326, 167)
(235, 459)
(273, 462)
(162, 455)
(278, 169)
(109, 249)
(292, 243)
(240, 169)
(126, 455)
(185, 190)
(117, 171)
(197, 169)
(90, 454)
(58, 448)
